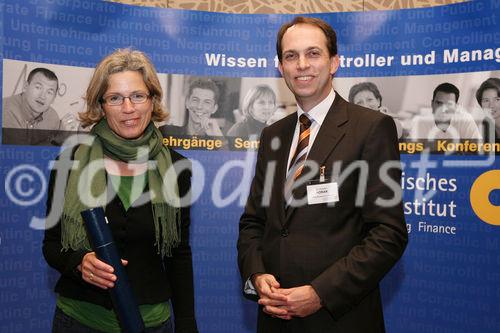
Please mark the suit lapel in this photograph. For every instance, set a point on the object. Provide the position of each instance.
(331, 132)
(285, 134)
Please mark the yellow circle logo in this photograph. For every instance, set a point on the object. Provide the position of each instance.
(479, 197)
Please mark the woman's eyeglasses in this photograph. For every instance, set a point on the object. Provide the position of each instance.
(115, 99)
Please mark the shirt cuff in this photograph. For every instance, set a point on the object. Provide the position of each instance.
(249, 289)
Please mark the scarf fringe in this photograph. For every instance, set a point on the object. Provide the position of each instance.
(73, 234)
(167, 234)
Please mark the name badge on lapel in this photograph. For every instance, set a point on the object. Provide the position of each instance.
(322, 191)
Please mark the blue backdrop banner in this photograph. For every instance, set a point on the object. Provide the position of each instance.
(447, 280)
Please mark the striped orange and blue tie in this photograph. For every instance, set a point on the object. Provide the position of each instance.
(299, 158)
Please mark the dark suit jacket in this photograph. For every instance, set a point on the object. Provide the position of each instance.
(342, 251)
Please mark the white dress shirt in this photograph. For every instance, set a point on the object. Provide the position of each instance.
(317, 114)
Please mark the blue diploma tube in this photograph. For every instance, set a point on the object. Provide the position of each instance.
(124, 302)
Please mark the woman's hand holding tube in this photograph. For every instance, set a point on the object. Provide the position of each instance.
(97, 272)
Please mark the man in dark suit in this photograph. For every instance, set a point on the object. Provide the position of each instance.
(324, 221)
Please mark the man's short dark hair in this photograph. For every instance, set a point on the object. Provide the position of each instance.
(447, 88)
(45, 72)
(331, 36)
(204, 84)
(491, 83)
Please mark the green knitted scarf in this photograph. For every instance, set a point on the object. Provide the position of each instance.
(87, 185)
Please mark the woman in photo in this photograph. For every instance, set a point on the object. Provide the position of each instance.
(367, 94)
(258, 106)
(488, 97)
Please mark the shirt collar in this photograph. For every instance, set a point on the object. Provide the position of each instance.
(318, 113)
